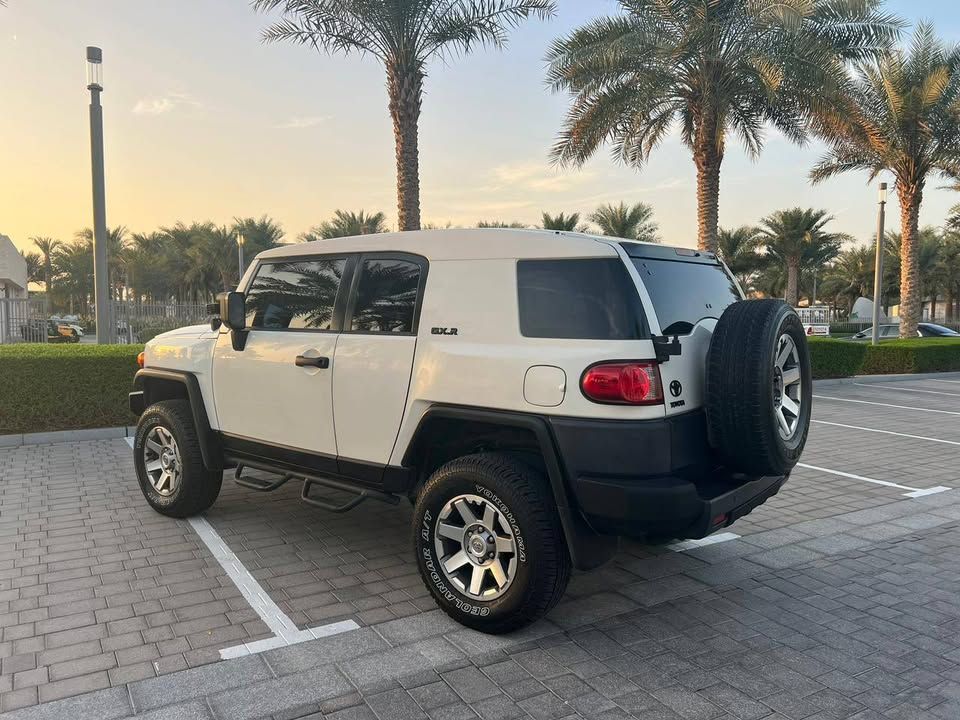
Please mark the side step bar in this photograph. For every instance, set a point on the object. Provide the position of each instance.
(359, 493)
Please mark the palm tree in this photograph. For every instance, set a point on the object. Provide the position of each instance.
(347, 224)
(900, 117)
(632, 223)
(47, 247)
(404, 35)
(739, 250)
(568, 223)
(715, 68)
(259, 234)
(73, 270)
(929, 245)
(798, 240)
(950, 272)
(851, 275)
(116, 260)
(953, 215)
(34, 266)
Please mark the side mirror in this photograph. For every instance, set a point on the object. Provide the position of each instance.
(233, 310)
(233, 314)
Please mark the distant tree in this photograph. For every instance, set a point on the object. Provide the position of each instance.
(717, 69)
(73, 272)
(950, 272)
(116, 258)
(850, 276)
(47, 247)
(568, 223)
(404, 35)
(901, 117)
(633, 222)
(501, 224)
(259, 234)
(798, 240)
(34, 266)
(347, 224)
(739, 249)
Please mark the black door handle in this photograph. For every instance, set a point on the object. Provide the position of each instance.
(318, 362)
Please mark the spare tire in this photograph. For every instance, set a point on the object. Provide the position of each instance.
(759, 388)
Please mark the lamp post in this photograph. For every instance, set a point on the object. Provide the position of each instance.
(240, 241)
(878, 266)
(101, 295)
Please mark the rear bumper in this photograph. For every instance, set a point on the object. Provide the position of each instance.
(654, 478)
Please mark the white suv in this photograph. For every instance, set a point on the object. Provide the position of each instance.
(536, 394)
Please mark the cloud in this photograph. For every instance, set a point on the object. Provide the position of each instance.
(538, 176)
(164, 104)
(298, 123)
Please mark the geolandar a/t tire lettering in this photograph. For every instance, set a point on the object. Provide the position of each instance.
(488, 544)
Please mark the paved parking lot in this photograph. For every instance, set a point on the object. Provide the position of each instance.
(839, 598)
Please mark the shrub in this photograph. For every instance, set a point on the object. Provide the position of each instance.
(842, 358)
(835, 358)
(912, 356)
(65, 387)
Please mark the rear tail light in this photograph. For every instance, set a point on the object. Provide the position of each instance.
(141, 360)
(623, 383)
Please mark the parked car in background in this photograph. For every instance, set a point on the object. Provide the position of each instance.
(891, 332)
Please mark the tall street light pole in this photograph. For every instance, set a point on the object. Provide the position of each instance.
(101, 282)
(878, 266)
(239, 256)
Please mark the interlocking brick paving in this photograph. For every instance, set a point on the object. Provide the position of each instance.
(97, 592)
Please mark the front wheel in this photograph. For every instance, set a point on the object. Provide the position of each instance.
(489, 544)
(169, 464)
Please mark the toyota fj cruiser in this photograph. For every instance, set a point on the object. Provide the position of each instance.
(536, 394)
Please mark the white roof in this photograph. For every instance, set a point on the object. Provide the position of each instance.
(460, 244)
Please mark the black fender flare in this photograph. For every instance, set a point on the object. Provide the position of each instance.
(588, 548)
(140, 399)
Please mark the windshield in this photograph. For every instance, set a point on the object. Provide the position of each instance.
(685, 292)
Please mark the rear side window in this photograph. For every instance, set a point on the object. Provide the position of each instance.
(386, 296)
(592, 299)
(684, 293)
(295, 295)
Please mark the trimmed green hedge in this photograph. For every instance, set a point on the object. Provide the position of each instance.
(843, 358)
(65, 387)
(835, 358)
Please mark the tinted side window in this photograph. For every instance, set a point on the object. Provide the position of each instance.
(585, 299)
(386, 296)
(295, 295)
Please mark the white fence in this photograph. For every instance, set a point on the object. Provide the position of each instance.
(139, 322)
(23, 320)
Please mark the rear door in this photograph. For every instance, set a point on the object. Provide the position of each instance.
(264, 395)
(374, 359)
(686, 292)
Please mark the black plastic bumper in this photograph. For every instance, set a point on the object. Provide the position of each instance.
(654, 478)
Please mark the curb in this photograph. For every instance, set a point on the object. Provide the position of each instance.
(883, 378)
(64, 436)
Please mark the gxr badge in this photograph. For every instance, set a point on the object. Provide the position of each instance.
(676, 388)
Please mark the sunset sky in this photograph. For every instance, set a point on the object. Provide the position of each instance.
(203, 121)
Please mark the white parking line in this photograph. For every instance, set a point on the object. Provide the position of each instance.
(887, 432)
(900, 407)
(709, 540)
(285, 631)
(913, 492)
(878, 386)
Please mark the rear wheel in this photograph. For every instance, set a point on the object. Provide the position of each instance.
(489, 544)
(759, 387)
(169, 464)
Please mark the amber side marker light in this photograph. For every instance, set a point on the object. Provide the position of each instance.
(140, 360)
